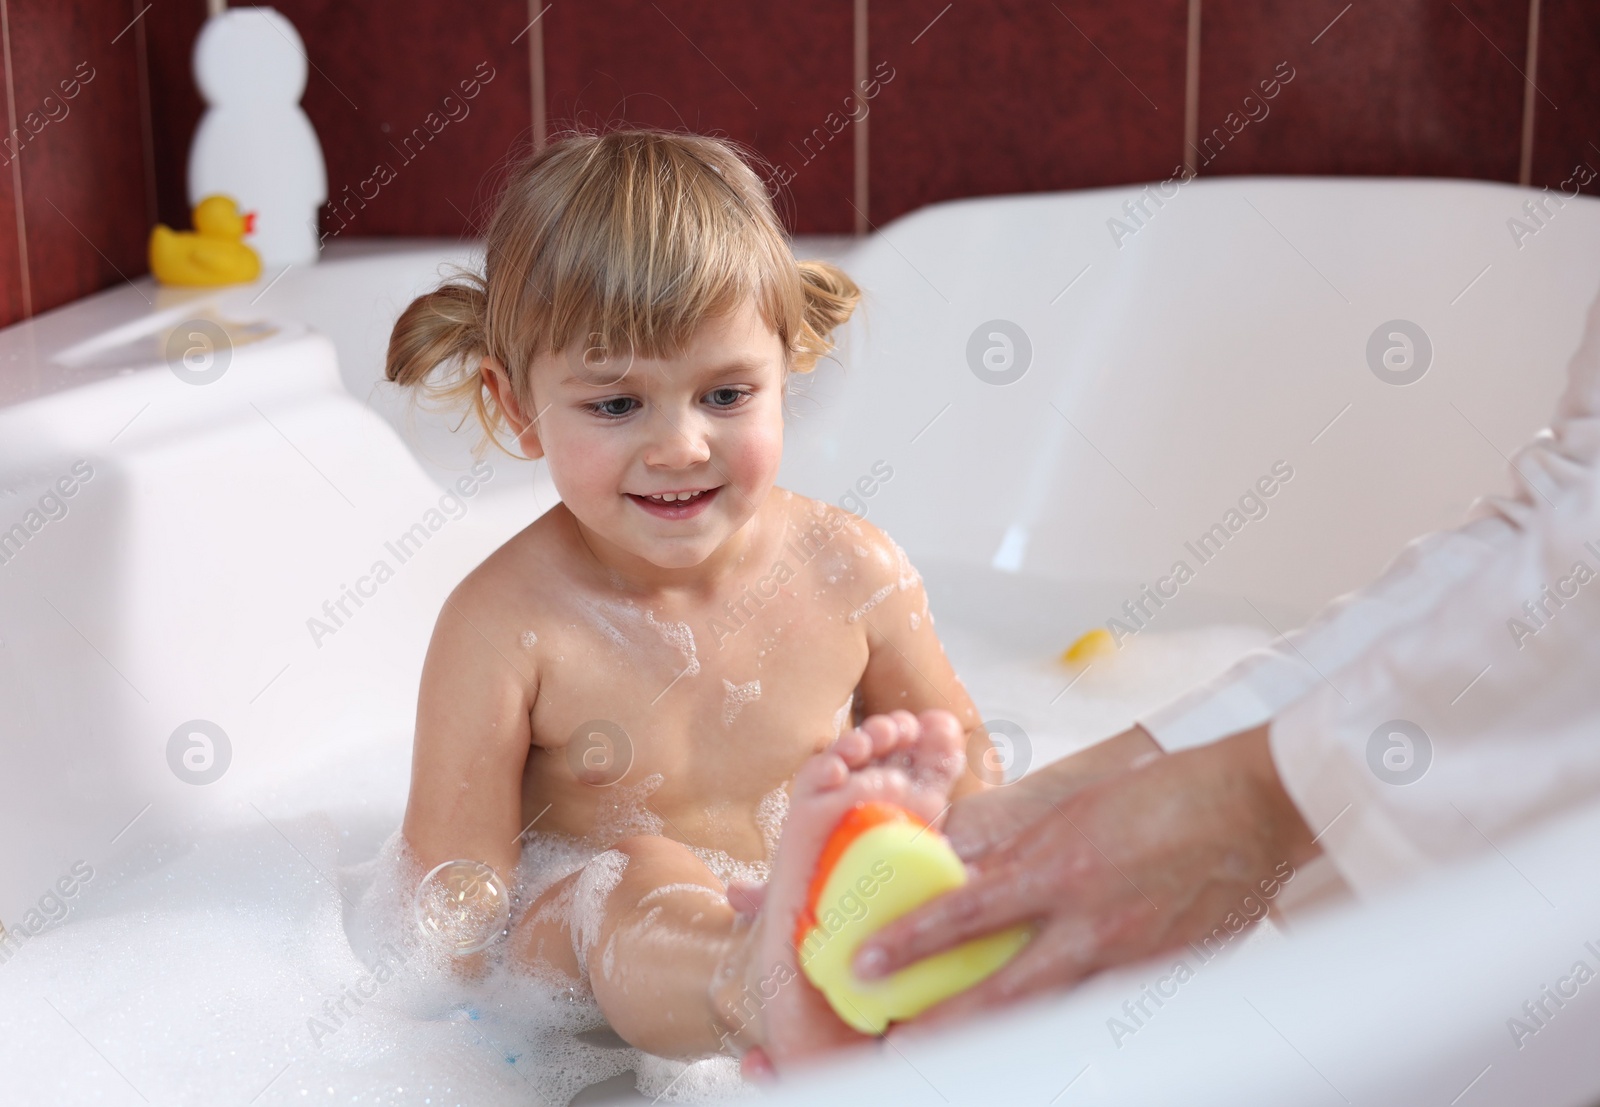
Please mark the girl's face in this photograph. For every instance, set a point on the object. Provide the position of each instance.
(665, 459)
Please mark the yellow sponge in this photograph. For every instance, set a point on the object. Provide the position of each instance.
(882, 862)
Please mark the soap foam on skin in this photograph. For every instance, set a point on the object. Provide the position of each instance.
(735, 696)
(601, 615)
(589, 894)
(841, 717)
(629, 811)
(679, 637)
(872, 601)
(771, 813)
(906, 575)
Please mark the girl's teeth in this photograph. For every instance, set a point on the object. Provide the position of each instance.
(675, 497)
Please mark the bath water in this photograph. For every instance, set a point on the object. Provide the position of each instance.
(268, 954)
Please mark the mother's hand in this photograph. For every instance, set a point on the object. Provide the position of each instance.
(1134, 863)
(980, 821)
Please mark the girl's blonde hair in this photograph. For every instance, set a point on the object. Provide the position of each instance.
(627, 241)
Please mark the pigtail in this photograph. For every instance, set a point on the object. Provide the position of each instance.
(436, 347)
(830, 299)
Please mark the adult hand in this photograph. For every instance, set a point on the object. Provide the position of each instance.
(1135, 863)
(980, 821)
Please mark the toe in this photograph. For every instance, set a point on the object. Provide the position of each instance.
(884, 732)
(938, 757)
(907, 726)
(823, 772)
(855, 747)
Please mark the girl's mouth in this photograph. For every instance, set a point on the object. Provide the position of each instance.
(682, 505)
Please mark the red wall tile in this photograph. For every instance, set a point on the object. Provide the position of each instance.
(763, 75)
(379, 71)
(175, 104)
(1022, 97)
(1567, 128)
(83, 174)
(1403, 88)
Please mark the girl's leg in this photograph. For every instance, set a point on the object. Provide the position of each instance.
(675, 969)
(647, 923)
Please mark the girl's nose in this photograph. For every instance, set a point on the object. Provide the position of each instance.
(677, 444)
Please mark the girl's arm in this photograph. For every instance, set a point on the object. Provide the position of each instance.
(472, 739)
(906, 665)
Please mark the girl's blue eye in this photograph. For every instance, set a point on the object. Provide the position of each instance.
(610, 409)
(727, 397)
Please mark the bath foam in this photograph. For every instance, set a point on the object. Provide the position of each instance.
(771, 813)
(600, 617)
(872, 601)
(841, 717)
(589, 894)
(906, 575)
(678, 889)
(728, 868)
(215, 939)
(628, 811)
(529, 639)
(681, 638)
(548, 1028)
(735, 696)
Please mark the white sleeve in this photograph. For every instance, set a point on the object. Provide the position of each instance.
(1469, 725)
(1457, 700)
(1426, 574)
(1269, 679)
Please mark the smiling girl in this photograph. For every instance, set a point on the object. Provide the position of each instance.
(636, 325)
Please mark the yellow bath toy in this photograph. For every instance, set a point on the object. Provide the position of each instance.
(1097, 643)
(214, 253)
(881, 862)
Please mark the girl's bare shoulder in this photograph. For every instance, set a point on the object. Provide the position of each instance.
(522, 579)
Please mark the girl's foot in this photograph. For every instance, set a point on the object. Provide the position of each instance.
(761, 995)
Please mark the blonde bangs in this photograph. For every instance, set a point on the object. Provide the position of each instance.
(612, 246)
(655, 235)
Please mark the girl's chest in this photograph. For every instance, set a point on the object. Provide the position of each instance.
(710, 703)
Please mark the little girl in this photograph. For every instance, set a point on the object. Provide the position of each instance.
(645, 668)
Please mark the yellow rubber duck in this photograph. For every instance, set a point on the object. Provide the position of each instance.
(213, 253)
(1096, 644)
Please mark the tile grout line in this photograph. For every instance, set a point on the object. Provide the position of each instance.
(16, 164)
(536, 74)
(861, 180)
(1529, 106)
(1191, 88)
(147, 136)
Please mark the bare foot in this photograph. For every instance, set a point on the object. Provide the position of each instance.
(761, 995)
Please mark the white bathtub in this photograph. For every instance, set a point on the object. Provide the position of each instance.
(1169, 374)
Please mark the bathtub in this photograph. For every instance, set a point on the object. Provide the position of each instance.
(1046, 399)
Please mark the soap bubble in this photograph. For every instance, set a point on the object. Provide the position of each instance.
(462, 906)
